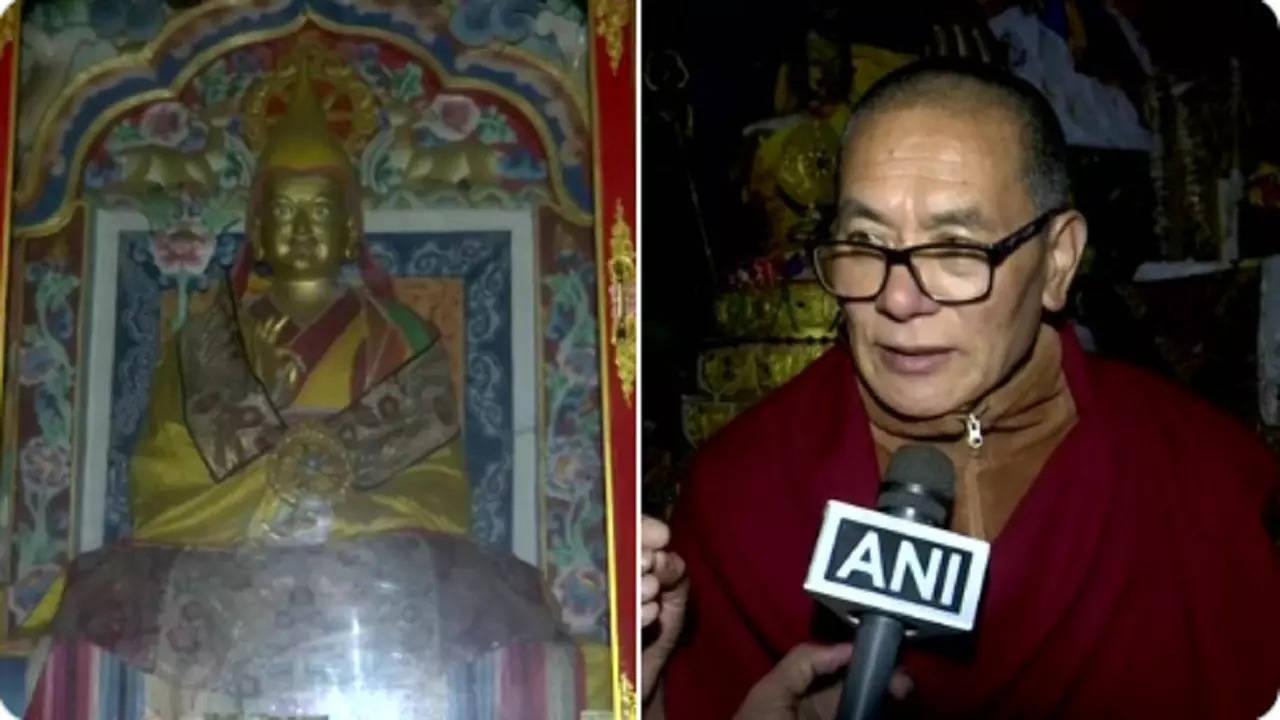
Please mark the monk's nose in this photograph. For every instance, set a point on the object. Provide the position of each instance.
(902, 297)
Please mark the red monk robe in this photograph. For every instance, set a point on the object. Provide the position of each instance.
(1135, 578)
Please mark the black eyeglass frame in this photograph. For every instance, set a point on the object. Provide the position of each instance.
(996, 253)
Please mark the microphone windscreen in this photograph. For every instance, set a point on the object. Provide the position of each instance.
(922, 478)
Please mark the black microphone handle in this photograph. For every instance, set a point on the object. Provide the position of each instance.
(875, 657)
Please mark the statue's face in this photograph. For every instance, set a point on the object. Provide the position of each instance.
(304, 230)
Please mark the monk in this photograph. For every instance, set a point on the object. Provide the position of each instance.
(1131, 574)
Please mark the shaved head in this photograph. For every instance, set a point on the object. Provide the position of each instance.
(970, 89)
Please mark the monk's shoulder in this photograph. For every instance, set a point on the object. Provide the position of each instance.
(1119, 385)
(1156, 408)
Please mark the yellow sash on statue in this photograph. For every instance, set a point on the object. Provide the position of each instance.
(176, 499)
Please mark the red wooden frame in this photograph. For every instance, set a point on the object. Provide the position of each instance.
(613, 73)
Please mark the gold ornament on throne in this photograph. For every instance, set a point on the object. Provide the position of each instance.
(311, 461)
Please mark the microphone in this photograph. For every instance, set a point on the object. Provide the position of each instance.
(896, 571)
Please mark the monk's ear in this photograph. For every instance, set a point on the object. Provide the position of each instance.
(1068, 234)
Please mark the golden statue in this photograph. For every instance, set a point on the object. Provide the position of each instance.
(295, 403)
(299, 491)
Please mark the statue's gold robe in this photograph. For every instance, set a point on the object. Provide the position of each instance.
(190, 489)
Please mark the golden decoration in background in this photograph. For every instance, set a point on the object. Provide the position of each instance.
(768, 334)
(612, 17)
(622, 299)
(807, 171)
(630, 708)
(348, 102)
(753, 370)
(798, 310)
(43, 151)
(701, 418)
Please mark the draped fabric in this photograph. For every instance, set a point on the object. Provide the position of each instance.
(200, 472)
(1134, 578)
(299, 631)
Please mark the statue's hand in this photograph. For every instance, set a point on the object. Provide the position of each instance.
(277, 366)
(266, 333)
(288, 371)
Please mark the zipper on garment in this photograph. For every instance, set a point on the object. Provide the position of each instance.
(973, 521)
(973, 431)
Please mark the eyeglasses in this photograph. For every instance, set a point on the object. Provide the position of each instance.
(950, 273)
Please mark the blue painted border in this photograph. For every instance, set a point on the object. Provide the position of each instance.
(482, 261)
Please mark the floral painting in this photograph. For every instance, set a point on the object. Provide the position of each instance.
(62, 39)
(47, 361)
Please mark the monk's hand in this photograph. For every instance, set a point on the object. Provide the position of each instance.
(795, 688)
(822, 705)
(663, 592)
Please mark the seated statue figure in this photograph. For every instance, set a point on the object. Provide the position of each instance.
(296, 405)
(299, 493)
